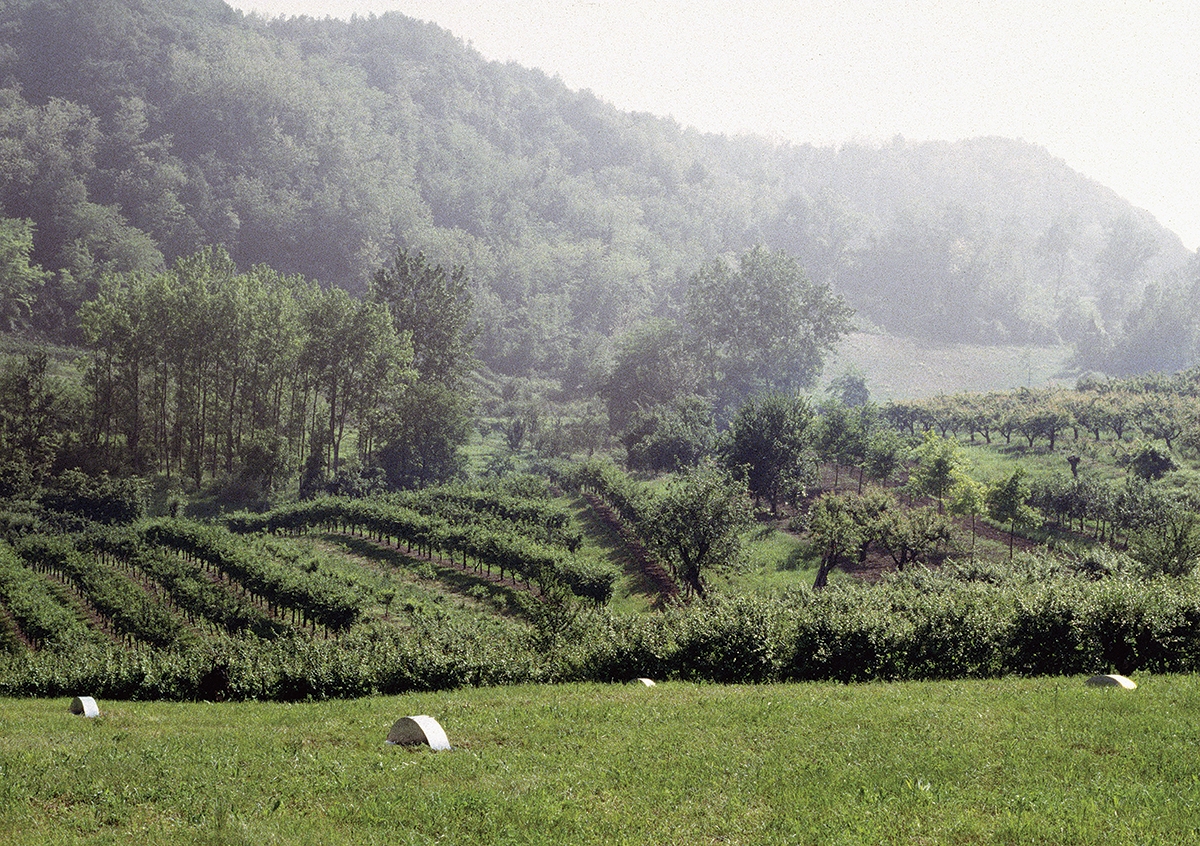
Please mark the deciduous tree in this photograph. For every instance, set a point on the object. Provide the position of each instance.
(762, 326)
(772, 438)
(696, 522)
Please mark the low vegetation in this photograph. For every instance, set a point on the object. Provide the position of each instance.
(1044, 760)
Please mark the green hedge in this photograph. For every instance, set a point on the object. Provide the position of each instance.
(913, 627)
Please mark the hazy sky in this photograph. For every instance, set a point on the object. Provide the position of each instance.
(1110, 86)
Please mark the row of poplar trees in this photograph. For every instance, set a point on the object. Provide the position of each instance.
(206, 372)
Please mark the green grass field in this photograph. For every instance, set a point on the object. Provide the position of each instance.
(897, 368)
(1044, 760)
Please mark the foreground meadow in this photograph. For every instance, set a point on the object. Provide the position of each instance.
(1044, 760)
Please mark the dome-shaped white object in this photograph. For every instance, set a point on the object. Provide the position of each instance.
(1112, 681)
(413, 731)
(85, 705)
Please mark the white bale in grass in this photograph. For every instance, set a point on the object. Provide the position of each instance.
(413, 731)
(1112, 681)
(85, 705)
(645, 682)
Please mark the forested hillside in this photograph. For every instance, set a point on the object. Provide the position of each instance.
(134, 133)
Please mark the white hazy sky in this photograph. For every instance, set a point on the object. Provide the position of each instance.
(1110, 86)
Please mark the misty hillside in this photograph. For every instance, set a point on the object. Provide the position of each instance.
(133, 132)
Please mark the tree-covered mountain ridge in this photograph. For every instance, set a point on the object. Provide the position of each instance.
(135, 132)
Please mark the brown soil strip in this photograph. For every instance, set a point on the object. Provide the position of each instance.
(8, 623)
(646, 565)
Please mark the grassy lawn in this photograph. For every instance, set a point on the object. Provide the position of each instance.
(1006, 761)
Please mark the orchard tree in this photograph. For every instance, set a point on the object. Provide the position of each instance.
(1007, 502)
(968, 498)
(912, 535)
(1165, 416)
(1171, 546)
(939, 461)
(697, 521)
(771, 438)
(884, 450)
(850, 388)
(834, 529)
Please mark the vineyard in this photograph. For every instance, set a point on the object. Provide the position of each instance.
(174, 607)
(1039, 532)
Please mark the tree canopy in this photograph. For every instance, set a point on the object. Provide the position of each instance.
(762, 326)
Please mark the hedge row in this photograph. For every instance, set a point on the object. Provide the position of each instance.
(128, 608)
(41, 616)
(319, 599)
(906, 629)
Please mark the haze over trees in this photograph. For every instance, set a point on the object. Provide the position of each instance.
(315, 252)
(135, 134)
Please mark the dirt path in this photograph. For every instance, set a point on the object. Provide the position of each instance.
(9, 623)
(644, 566)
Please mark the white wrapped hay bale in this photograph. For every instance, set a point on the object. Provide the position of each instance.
(85, 705)
(414, 731)
(1112, 681)
(644, 682)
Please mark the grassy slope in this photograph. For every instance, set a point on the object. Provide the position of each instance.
(897, 368)
(1007, 761)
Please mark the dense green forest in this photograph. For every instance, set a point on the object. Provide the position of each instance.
(136, 133)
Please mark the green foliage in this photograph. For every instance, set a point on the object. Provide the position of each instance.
(939, 462)
(136, 133)
(127, 608)
(764, 326)
(41, 615)
(1006, 503)
(696, 521)
(359, 364)
(19, 279)
(1149, 461)
(772, 440)
(101, 499)
(968, 498)
(1170, 545)
(834, 529)
(652, 367)
(36, 423)
(423, 439)
(432, 306)
(670, 437)
(320, 599)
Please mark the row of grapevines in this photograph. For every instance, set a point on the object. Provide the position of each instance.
(319, 599)
(42, 618)
(196, 595)
(629, 499)
(552, 522)
(503, 548)
(126, 606)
